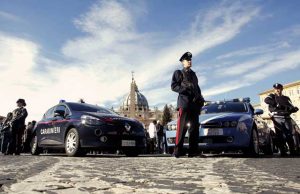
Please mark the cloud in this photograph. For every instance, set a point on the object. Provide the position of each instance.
(292, 31)
(255, 50)
(266, 68)
(100, 62)
(9, 16)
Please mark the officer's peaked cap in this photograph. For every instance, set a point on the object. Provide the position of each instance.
(21, 101)
(278, 86)
(186, 55)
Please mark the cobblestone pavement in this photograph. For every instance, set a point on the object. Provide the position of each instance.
(148, 174)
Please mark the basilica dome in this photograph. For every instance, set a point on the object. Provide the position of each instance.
(140, 100)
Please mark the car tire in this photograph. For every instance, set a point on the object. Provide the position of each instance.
(269, 147)
(253, 149)
(34, 148)
(131, 152)
(72, 145)
(297, 142)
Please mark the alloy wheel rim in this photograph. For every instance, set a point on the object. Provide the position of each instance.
(34, 145)
(71, 142)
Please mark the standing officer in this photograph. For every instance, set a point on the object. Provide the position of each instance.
(17, 127)
(281, 108)
(189, 104)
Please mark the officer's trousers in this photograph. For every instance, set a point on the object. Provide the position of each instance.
(188, 120)
(15, 143)
(4, 140)
(284, 131)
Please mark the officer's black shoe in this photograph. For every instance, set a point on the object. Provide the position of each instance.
(283, 154)
(294, 153)
(178, 154)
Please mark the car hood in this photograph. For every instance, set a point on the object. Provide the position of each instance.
(204, 118)
(221, 117)
(110, 117)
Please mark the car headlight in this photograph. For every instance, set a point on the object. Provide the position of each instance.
(90, 120)
(169, 127)
(173, 127)
(241, 126)
(233, 123)
(227, 124)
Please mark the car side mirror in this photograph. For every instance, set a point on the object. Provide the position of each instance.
(59, 113)
(258, 112)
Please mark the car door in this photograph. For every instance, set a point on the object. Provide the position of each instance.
(60, 122)
(44, 127)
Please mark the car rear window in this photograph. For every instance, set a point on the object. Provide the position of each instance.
(82, 107)
(225, 107)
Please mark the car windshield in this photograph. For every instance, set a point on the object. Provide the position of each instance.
(238, 107)
(89, 108)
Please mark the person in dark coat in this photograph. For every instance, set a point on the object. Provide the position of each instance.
(5, 133)
(17, 128)
(160, 136)
(27, 136)
(189, 104)
(281, 108)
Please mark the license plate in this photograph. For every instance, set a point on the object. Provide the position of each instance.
(128, 143)
(213, 132)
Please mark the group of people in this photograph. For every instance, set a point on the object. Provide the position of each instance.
(12, 130)
(190, 101)
(157, 137)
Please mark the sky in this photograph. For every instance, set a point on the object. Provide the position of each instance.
(72, 49)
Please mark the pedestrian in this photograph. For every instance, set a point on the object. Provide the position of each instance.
(281, 108)
(160, 136)
(152, 135)
(28, 136)
(5, 133)
(189, 104)
(17, 127)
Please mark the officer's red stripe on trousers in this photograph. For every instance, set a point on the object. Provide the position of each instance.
(178, 125)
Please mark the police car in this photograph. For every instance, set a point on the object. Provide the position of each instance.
(79, 127)
(230, 125)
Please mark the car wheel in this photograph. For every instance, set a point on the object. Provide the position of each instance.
(253, 149)
(72, 146)
(131, 152)
(34, 148)
(269, 148)
(297, 142)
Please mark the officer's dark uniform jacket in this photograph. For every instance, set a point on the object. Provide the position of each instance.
(280, 105)
(19, 116)
(185, 82)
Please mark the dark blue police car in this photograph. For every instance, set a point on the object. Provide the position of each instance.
(79, 128)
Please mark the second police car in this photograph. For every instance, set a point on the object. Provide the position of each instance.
(230, 125)
(79, 127)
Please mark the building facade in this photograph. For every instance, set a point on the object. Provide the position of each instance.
(292, 90)
(135, 105)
